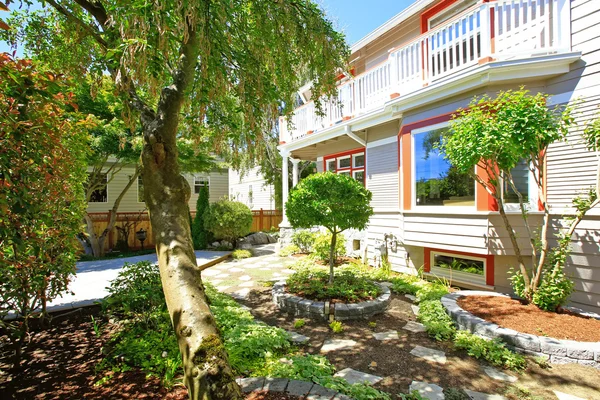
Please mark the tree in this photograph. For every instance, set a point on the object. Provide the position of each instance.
(199, 233)
(228, 220)
(334, 201)
(42, 165)
(213, 72)
(494, 135)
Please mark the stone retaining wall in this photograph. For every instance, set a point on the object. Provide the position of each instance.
(556, 350)
(323, 310)
(292, 387)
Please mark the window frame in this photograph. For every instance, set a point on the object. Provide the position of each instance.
(413, 167)
(105, 188)
(206, 178)
(531, 204)
(351, 155)
(459, 276)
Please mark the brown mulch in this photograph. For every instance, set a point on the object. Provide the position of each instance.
(264, 395)
(527, 318)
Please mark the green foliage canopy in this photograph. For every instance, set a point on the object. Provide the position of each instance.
(337, 202)
(228, 220)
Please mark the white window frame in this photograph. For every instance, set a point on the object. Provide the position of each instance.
(204, 178)
(432, 209)
(533, 195)
(339, 159)
(345, 172)
(358, 170)
(106, 187)
(354, 160)
(458, 276)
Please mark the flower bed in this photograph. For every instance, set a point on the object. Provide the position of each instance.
(556, 350)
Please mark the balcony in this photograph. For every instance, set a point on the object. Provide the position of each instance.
(496, 31)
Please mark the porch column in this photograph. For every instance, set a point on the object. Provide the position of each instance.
(295, 172)
(285, 185)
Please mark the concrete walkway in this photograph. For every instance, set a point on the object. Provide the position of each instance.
(92, 278)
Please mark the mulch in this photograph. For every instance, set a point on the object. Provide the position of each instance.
(264, 395)
(527, 318)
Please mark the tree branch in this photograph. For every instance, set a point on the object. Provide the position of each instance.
(89, 29)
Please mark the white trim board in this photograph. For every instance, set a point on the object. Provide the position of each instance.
(382, 142)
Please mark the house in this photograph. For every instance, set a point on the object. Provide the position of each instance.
(408, 77)
(250, 188)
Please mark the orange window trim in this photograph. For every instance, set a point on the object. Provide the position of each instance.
(489, 261)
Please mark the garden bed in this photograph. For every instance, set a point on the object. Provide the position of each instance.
(527, 318)
(557, 351)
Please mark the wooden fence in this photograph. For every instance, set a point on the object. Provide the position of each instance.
(128, 223)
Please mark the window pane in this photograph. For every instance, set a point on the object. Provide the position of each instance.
(199, 182)
(459, 264)
(437, 182)
(520, 175)
(359, 160)
(99, 195)
(331, 165)
(140, 190)
(359, 176)
(347, 173)
(344, 162)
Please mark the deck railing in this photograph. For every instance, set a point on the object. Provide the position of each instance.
(503, 29)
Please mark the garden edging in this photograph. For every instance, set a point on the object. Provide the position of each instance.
(324, 310)
(558, 351)
(289, 386)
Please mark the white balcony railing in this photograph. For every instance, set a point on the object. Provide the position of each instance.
(503, 29)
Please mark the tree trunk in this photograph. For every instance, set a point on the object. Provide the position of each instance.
(206, 367)
(332, 255)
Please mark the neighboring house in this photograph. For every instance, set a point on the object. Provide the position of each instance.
(410, 75)
(250, 188)
(133, 201)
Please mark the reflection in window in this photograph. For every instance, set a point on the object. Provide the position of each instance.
(331, 165)
(520, 175)
(200, 182)
(344, 162)
(437, 182)
(460, 264)
(140, 182)
(100, 195)
(359, 160)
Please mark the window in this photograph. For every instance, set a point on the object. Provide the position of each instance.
(140, 193)
(437, 182)
(459, 268)
(200, 182)
(520, 175)
(250, 194)
(100, 195)
(351, 164)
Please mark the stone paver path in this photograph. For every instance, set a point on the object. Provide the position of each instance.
(499, 375)
(415, 309)
(353, 376)
(427, 390)
(389, 335)
(566, 396)
(298, 338)
(483, 396)
(428, 354)
(337, 344)
(414, 327)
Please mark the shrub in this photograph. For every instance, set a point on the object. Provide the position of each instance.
(304, 240)
(336, 326)
(432, 291)
(43, 146)
(407, 284)
(299, 323)
(240, 254)
(228, 220)
(200, 235)
(313, 283)
(322, 246)
(553, 292)
(438, 323)
(289, 250)
(493, 351)
(334, 201)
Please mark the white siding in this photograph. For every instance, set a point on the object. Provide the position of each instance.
(382, 176)
(262, 193)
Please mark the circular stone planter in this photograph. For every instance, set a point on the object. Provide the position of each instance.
(557, 351)
(324, 310)
(291, 387)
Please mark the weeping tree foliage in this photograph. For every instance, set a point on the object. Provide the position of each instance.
(210, 71)
(334, 201)
(495, 135)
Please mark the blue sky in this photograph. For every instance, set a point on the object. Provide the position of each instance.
(355, 18)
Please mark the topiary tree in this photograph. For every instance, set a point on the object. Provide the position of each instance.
(495, 135)
(42, 168)
(228, 220)
(334, 201)
(199, 233)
